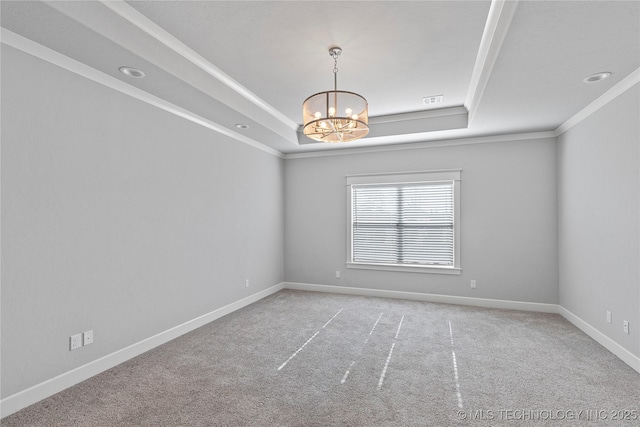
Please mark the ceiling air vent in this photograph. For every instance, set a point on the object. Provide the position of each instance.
(432, 100)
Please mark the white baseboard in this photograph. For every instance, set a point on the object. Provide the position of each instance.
(416, 296)
(33, 394)
(625, 355)
(27, 397)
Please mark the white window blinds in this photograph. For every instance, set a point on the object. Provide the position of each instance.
(403, 224)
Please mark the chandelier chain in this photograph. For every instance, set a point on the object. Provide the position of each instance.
(335, 70)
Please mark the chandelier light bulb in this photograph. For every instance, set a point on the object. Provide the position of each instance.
(348, 111)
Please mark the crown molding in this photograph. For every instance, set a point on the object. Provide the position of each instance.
(501, 13)
(621, 87)
(418, 115)
(44, 53)
(500, 16)
(618, 89)
(425, 144)
(151, 28)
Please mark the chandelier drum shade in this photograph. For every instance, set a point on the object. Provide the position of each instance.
(335, 115)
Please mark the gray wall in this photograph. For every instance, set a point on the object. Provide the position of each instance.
(121, 218)
(599, 218)
(124, 219)
(509, 223)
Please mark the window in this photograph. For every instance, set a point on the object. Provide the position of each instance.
(405, 222)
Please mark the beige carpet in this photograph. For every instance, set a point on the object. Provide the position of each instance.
(312, 359)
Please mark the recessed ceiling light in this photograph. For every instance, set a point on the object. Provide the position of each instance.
(242, 126)
(132, 72)
(597, 77)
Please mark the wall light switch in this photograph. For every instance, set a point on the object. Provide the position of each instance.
(337, 274)
(473, 284)
(608, 316)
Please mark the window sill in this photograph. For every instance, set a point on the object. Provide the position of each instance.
(405, 268)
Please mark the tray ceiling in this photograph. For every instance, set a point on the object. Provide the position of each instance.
(502, 67)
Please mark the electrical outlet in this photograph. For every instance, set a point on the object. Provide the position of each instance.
(473, 284)
(75, 342)
(608, 316)
(337, 274)
(87, 337)
(625, 326)
(246, 283)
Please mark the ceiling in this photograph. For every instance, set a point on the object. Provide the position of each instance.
(502, 67)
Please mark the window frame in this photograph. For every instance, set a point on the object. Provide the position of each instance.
(404, 178)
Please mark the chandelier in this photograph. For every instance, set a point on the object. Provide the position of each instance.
(335, 115)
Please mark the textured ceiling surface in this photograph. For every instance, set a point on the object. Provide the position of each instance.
(502, 67)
